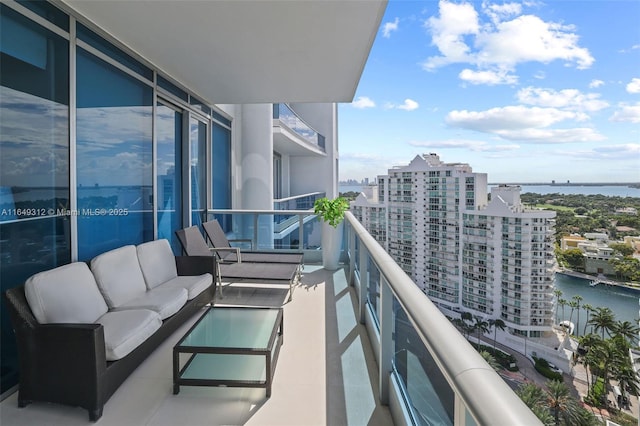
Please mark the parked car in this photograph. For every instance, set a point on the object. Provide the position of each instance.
(555, 369)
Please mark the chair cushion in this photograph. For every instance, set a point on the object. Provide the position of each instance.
(157, 262)
(126, 330)
(118, 275)
(164, 300)
(194, 285)
(67, 294)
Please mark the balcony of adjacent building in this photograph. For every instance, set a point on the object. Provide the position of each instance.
(293, 136)
(362, 345)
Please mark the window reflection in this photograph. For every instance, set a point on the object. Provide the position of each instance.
(34, 160)
(114, 161)
(168, 164)
(198, 162)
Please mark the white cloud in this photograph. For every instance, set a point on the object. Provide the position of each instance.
(525, 124)
(634, 85)
(509, 118)
(389, 27)
(528, 38)
(499, 12)
(498, 46)
(568, 98)
(448, 31)
(363, 102)
(627, 114)
(470, 145)
(595, 84)
(409, 105)
(552, 136)
(490, 78)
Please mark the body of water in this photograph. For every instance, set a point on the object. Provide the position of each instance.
(608, 190)
(623, 302)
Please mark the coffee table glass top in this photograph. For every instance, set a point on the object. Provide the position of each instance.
(228, 327)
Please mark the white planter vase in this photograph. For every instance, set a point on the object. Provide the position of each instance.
(331, 245)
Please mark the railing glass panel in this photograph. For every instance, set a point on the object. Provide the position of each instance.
(289, 118)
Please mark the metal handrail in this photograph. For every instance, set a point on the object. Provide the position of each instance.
(483, 392)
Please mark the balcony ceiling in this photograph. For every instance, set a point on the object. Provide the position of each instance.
(234, 52)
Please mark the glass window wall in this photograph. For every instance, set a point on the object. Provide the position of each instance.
(169, 169)
(114, 128)
(34, 160)
(221, 172)
(198, 165)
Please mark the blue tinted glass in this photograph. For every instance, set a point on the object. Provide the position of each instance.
(114, 127)
(200, 105)
(221, 171)
(34, 161)
(198, 142)
(173, 89)
(430, 397)
(94, 40)
(221, 119)
(48, 12)
(168, 164)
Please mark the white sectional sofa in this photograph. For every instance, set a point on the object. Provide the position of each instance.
(81, 330)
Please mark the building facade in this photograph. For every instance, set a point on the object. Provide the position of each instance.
(491, 258)
(115, 130)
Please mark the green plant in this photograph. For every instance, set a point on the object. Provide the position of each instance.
(331, 211)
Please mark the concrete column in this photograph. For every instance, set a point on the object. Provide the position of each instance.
(257, 157)
(256, 189)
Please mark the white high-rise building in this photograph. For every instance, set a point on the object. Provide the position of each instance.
(508, 261)
(491, 258)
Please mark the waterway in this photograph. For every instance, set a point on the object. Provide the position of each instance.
(608, 190)
(623, 302)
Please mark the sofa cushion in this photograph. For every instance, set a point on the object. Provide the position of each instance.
(164, 300)
(125, 330)
(194, 285)
(118, 275)
(157, 262)
(67, 294)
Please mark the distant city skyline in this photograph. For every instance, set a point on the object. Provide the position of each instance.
(525, 92)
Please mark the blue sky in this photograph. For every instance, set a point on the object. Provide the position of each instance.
(524, 91)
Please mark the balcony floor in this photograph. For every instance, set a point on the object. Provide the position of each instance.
(326, 372)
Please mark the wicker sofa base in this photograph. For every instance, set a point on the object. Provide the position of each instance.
(66, 363)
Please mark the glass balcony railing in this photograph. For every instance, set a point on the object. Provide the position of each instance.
(428, 372)
(289, 118)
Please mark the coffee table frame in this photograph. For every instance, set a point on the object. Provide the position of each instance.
(269, 353)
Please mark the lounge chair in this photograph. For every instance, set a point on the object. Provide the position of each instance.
(227, 253)
(194, 244)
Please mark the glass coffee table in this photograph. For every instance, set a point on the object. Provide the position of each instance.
(230, 346)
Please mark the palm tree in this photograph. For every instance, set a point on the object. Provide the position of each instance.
(577, 298)
(573, 305)
(587, 307)
(602, 319)
(562, 302)
(586, 343)
(558, 293)
(491, 360)
(466, 316)
(605, 357)
(535, 398)
(496, 324)
(480, 325)
(561, 404)
(627, 330)
(627, 378)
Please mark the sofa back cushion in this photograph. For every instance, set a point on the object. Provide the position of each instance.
(118, 275)
(157, 262)
(67, 294)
